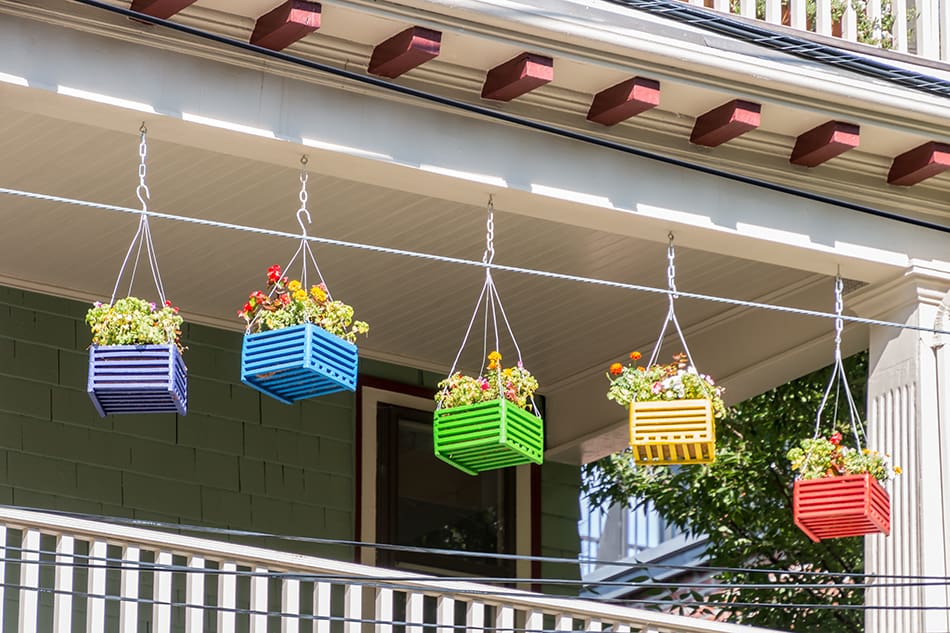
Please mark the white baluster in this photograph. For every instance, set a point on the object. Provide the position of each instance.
(353, 608)
(823, 17)
(63, 585)
(944, 29)
(621, 628)
(96, 602)
(927, 27)
(321, 607)
(505, 620)
(227, 597)
(129, 590)
(29, 580)
(162, 592)
(259, 601)
(594, 625)
(721, 5)
(564, 623)
(798, 15)
(414, 614)
(384, 610)
(698, 3)
(849, 23)
(773, 11)
(747, 8)
(195, 595)
(899, 11)
(475, 616)
(874, 15)
(290, 605)
(534, 622)
(445, 615)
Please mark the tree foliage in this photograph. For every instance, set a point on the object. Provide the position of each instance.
(742, 503)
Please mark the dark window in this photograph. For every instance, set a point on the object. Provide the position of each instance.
(424, 502)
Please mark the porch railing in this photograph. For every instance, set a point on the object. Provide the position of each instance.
(59, 572)
(921, 27)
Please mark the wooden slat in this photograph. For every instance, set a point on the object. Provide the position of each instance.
(227, 596)
(445, 615)
(194, 595)
(384, 610)
(62, 584)
(321, 607)
(96, 602)
(290, 605)
(773, 11)
(29, 581)
(564, 622)
(258, 606)
(534, 622)
(414, 613)
(353, 608)
(594, 625)
(475, 616)
(505, 619)
(798, 14)
(162, 592)
(823, 17)
(129, 589)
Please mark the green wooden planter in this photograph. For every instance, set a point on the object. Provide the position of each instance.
(488, 435)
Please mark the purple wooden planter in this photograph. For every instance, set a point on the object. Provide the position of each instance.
(294, 363)
(137, 379)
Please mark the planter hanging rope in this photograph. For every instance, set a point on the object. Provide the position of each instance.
(676, 431)
(839, 502)
(143, 376)
(481, 432)
(291, 362)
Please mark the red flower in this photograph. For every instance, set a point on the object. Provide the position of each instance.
(616, 369)
(168, 303)
(273, 273)
(835, 438)
(285, 299)
(247, 307)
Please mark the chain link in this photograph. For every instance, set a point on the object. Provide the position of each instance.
(839, 308)
(489, 255)
(671, 269)
(142, 190)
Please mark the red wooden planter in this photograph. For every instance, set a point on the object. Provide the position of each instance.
(847, 505)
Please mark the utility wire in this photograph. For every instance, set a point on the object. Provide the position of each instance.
(510, 118)
(468, 262)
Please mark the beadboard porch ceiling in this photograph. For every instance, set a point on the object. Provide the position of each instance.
(418, 309)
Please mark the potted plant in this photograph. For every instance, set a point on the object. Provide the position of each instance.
(489, 421)
(838, 491)
(135, 361)
(300, 343)
(672, 410)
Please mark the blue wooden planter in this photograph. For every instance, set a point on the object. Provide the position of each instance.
(299, 362)
(137, 379)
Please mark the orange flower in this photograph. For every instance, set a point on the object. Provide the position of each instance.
(616, 369)
(634, 355)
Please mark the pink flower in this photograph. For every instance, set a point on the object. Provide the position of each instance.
(657, 387)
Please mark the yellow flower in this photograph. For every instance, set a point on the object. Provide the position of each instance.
(897, 470)
(494, 356)
(293, 286)
(300, 294)
(319, 293)
(866, 451)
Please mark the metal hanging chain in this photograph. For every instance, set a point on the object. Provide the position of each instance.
(143, 235)
(838, 380)
(303, 250)
(492, 306)
(671, 312)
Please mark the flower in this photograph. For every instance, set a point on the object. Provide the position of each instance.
(515, 384)
(825, 457)
(134, 321)
(289, 304)
(675, 381)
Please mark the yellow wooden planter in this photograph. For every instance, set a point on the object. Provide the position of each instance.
(672, 432)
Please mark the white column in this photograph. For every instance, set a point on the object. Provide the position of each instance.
(908, 402)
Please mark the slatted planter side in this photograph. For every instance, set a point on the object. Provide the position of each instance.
(137, 379)
(487, 436)
(672, 432)
(847, 505)
(299, 362)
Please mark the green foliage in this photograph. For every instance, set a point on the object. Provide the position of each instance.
(134, 321)
(825, 457)
(742, 503)
(513, 383)
(675, 381)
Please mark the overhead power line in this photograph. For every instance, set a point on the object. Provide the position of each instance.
(467, 262)
(511, 118)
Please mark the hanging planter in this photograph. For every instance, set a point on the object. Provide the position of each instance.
(300, 342)
(844, 505)
(488, 421)
(475, 429)
(839, 491)
(135, 361)
(673, 432)
(672, 407)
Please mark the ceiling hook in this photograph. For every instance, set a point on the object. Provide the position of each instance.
(303, 228)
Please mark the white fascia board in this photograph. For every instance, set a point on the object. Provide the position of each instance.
(441, 153)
